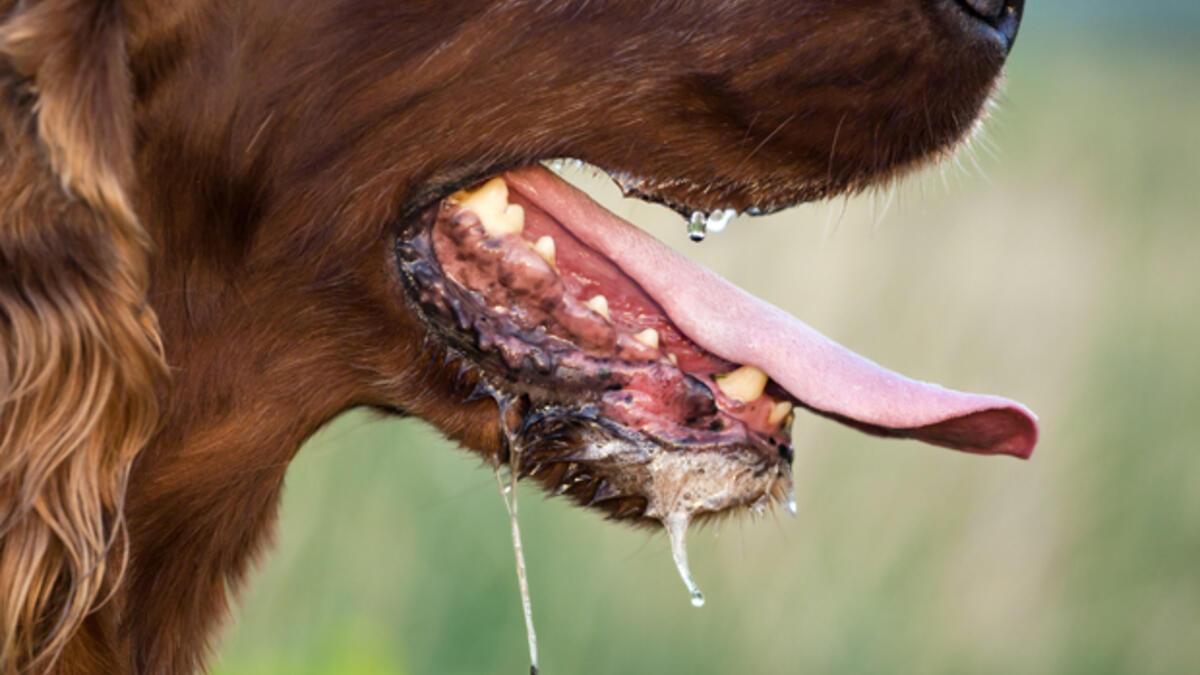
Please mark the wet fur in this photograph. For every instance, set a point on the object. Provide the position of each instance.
(227, 178)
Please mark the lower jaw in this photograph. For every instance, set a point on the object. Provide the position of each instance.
(640, 438)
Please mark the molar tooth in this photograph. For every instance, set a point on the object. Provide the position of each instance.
(648, 337)
(746, 384)
(545, 247)
(779, 413)
(489, 202)
(599, 305)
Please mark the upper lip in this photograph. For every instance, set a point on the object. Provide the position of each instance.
(650, 190)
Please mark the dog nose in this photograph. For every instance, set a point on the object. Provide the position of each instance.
(988, 10)
(1002, 15)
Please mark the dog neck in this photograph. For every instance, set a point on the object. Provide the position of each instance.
(203, 497)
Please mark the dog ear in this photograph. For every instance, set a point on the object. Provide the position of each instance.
(80, 359)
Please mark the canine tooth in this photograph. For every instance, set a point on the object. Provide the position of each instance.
(779, 413)
(545, 247)
(492, 195)
(648, 337)
(746, 384)
(514, 220)
(489, 202)
(697, 226)
(599, 305)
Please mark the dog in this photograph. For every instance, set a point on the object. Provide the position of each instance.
(226, 222)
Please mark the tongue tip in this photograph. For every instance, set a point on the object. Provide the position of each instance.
(1007, 428)
(1000, 428)
(1023, 441)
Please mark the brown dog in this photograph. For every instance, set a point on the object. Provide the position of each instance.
(225, 222)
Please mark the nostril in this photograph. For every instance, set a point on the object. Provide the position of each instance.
(991, 10)
(995, 12)
(1002, 15)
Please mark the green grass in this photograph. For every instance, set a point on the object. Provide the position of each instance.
(1062, 274)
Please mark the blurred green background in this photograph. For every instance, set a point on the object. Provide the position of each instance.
(1058, 262)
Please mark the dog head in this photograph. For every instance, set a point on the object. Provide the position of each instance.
(323, 165)
(317, 184)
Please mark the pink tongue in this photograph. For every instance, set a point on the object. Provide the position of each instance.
(826, 377)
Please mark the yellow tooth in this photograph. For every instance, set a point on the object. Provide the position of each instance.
(599, 305)
(779, 413)
(746, 384)
(491, 196)
(514, 220)
(489, 202)
(545, 248)
(648, 337)
(673, 359)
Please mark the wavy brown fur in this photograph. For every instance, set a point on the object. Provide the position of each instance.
(79, 352)
(269, 152)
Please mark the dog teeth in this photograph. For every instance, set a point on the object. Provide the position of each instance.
(779, 413)
(746, 384)
(599, 305)
(489, 202)
(514, 220)
(545, 247)
(648, 337)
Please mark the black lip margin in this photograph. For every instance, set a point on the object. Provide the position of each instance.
(433, 191)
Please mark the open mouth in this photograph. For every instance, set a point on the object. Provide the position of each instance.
(637, 381)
